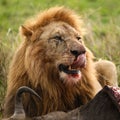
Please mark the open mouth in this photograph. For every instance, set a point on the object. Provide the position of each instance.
(72, 71)
(68, 69)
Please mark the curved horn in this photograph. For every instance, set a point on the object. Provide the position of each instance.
(19, 112)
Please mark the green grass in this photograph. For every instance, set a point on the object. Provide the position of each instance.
(102, 20)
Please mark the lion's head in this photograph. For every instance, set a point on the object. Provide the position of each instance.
(55, 51)
(56, 41)
(55, 48)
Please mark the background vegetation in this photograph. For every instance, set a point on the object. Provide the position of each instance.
(101, 18)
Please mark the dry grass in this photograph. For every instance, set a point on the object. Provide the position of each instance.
(7, 49)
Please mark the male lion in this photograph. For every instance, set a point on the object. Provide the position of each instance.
(53, 61)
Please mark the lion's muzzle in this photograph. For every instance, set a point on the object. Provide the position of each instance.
(72, 72)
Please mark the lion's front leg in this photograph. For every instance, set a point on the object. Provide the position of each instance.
(107, 73)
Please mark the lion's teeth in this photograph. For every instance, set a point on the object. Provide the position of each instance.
(70, 68)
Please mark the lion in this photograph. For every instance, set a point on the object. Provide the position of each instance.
(54, 61)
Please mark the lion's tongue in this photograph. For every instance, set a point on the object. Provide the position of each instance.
(79, 62)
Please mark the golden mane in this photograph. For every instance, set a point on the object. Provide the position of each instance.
(55, 14)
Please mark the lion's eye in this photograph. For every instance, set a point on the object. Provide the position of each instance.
(58, 38)
(79, 39)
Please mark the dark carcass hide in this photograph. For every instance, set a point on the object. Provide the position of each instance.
(104, 106)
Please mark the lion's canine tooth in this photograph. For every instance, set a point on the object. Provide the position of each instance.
(70, 67)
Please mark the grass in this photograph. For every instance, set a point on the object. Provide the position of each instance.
(101, 20)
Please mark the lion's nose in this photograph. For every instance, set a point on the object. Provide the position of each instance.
(77, 52)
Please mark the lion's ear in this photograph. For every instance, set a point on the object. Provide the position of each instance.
(26, 31)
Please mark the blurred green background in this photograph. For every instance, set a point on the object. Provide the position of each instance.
(101, 18)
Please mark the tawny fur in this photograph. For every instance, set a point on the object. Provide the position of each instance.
(107, 73)
(35, 65)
